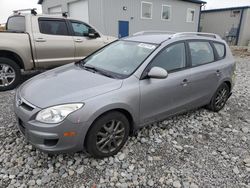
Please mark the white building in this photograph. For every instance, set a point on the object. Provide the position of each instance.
(124, 17)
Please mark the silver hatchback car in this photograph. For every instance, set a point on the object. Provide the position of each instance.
(96, 103)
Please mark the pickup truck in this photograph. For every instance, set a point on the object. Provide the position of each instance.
(33, 42)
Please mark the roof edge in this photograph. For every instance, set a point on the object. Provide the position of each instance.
(191, 1)
(225, 9)
(195, 1)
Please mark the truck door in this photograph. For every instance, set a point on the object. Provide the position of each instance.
(53, 44)
(83, 43)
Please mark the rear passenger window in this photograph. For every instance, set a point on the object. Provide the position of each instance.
(172, 58)
(220, 48)
(201, 53)
(53, 27)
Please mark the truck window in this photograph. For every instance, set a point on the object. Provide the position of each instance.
(80, 29)
(53, 27)
(16, 23)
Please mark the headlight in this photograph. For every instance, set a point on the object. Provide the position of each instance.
(57, 114)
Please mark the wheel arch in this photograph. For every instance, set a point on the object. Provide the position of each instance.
(229, 84)
(13, 56)
(124, 111)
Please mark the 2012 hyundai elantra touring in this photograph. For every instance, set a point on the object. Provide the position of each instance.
(96, 103)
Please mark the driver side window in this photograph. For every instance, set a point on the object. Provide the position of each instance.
(80, 29)
(172, 58)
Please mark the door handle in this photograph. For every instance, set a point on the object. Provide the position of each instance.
(184, 82)
(78, 40)
(40, 40)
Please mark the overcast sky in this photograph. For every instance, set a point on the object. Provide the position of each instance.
(7, 6)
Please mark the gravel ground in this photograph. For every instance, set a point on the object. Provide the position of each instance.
(197, 149)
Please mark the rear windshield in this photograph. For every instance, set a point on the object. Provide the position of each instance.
(16, 23)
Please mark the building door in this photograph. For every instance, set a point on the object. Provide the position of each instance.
(123, 29)
(79, 10)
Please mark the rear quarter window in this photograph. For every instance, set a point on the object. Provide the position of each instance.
(16, 23)
(201, 53)
(221, 49)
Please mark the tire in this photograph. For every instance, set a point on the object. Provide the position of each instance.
(214, 104)
(102, 132)
(10, 74)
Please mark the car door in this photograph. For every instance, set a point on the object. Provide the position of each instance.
(205, 72)
(84, 44)
(163, 97)
(53, 44)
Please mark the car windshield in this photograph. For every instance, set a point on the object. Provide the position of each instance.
(120, 58)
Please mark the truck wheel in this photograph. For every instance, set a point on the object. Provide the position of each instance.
(10, 74)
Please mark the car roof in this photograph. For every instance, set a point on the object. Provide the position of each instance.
(158, 38)
(149, 38)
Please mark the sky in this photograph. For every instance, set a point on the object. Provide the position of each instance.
(211, 4)
(7, 6)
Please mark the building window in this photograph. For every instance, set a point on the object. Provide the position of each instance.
(166, 12)
(146, 10)
(190, 15)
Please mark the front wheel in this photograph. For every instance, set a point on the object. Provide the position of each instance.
(220, 98)
(10, 74)
(107, 135)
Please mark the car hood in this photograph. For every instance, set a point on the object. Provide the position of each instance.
(66, 84)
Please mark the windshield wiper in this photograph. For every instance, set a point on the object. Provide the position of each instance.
(94, 69)
(90, 67)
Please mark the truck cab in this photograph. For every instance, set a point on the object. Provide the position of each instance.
(35, 42)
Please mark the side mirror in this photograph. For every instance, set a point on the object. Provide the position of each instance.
(92, 33)
(158, 73)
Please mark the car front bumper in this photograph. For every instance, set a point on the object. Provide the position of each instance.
(49, 138)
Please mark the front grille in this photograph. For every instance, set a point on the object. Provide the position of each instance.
(26, 106)
(21, 126)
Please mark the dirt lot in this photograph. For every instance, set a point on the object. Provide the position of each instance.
(197, 149)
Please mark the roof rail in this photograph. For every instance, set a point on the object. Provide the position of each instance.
(153, 32)
(32, 11)
(63, 14)
(212, 35)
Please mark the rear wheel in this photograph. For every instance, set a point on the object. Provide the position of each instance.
(107, 135)
(220, 98)
(10, 74)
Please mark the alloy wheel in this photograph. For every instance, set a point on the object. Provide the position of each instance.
(110, 136)
(7, 75)
(221, 98)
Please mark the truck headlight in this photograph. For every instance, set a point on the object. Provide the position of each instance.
(57, 114)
